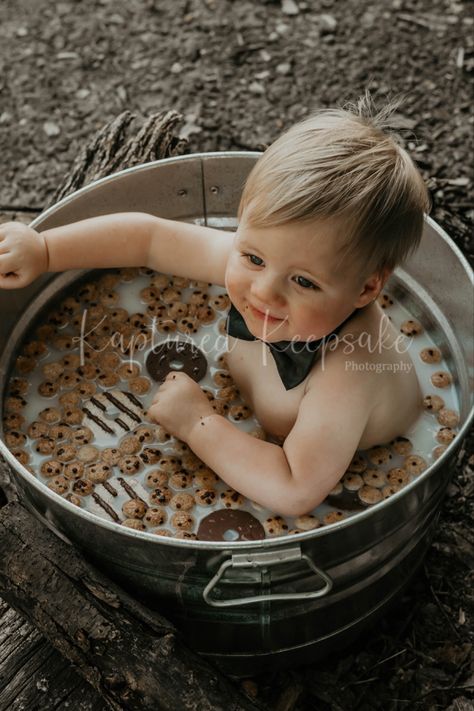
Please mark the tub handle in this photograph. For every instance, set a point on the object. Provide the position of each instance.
(264, 560)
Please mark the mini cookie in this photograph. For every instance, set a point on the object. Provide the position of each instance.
(439, 450)
(231, 499)
(155, 516)
(445, 435)
(150, 455)
(182, 502)
(161, 496)
(70, 305)
(401, 445)
(275, 526)
(140, 385)
(149, 294)
(166, 324)
(230, 525)
(190, 461)
(180, 480)
(108, 379)
(199, 298)
(130, 445)
(390, 489)
(180, 282)
(128, 370)
(118, 315)
(69, 380)
(189, 324)
(69, 400)
(109, 359)
(379, 455)
(369, 495)
(14, 404)
(205, 497)
(52, 371)
(181, 447)
(307, 522)
(223, 408)
(58, 484)
(206, 315)
(222, 378)
(156, 479)
(98, 473)
(45, 332)
(374, 477)
(66, 452)
(83, 487)
(87, 453)
(38, 429)
(176, 310)
(160, 281)
(431, 355)
(221, 302)
(204, 477)
(22, 456)
(61, 432)
(13, 421)
(352, 481)
(433, 403)
(162, 359)
(111, 455)
(414, 464)
(182, 520)
(73, 470)
(358, 464)
(76, 500)
(64, 343)
(145, 434)
(222, 361)
(45, 445)
(168, 463)
(71, 360)
(134, 523)
(72, 416)
(188, 535)
(25, 365)
(51, 467)
(229, 393)
(448, 418)
(398, 475)
(411, 328)
(18, 386)
(108, 281)
(88, 371)
(240, 412)
(130, 464)
(162, 532)
(48, 388)
(83, 435)
(333, 517)
(385, 301)
(134, 508)
(170, 295)
(441, 379)
(13, 438)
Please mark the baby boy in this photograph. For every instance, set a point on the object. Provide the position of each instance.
(327, 213)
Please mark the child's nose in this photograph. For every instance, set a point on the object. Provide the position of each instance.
(268, 289)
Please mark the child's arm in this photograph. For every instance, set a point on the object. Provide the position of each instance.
(121, 239)
(291, 480)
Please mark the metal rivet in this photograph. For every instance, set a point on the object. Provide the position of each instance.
(182, 192)
(214, 189)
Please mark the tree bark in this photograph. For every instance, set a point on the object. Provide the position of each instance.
(130, 654)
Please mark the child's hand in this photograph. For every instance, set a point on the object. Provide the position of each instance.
(23, 255)
(179, 404)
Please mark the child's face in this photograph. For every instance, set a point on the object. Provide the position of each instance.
(285, 280)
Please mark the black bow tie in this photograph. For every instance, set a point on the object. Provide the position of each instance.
(294, 359)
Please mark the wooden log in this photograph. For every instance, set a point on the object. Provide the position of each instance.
(132, 656)
(126, 141)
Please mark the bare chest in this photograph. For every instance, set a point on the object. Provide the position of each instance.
(254, 371)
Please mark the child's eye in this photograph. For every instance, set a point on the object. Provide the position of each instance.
(256, 261)
(305, 283)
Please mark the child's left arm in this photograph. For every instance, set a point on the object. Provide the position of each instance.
(289, 480)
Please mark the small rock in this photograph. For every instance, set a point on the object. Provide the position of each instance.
(262, 75)
(283, 68)
(289, 7)
(42, 684)
(176, 68)
(281, 28)
(5, 117)
(122, 93)
(328, 23)
(51, 129)
(22, 32)
(264, 55)
(256, 88)
(82, 93)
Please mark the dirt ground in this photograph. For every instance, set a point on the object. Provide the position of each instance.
(241, 71)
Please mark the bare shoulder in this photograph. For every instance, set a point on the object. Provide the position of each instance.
(186, 249)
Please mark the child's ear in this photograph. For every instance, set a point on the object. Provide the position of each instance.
(372, 287)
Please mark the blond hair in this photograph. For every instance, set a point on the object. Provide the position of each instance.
(344, 163)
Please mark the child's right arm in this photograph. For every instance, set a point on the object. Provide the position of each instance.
(117, 240)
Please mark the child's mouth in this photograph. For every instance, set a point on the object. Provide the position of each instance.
(264, 315)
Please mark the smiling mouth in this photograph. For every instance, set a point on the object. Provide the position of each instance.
(264, 316)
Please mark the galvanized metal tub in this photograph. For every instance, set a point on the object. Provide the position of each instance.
(279, 601)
